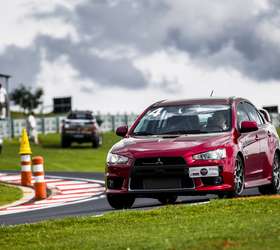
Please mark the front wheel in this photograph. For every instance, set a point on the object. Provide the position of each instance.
(239, 180)
(274, 187)
(96, 141)
(65, 143)
(120, 201)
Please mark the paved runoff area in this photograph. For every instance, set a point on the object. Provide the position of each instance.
(64, 191)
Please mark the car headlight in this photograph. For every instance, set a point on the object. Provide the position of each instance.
(217, 154)
(116, 159)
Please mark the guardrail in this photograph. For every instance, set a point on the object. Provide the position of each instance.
(53, 124)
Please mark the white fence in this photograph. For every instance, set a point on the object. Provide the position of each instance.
(275, 119)
(53, 124)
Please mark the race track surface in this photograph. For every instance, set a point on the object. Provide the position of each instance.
(91, 207)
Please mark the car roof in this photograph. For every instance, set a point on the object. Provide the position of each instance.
(209, 100)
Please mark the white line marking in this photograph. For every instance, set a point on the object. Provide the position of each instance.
(88, 190)
(71, 195)
(46, 202)
(78, 186)
(83, 190)
(53, 180)
(10, 178)
(26, 207)
(78, 179)
(57, 205)
(62, 183)
(199, 203)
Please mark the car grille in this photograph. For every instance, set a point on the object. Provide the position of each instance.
(160, 173)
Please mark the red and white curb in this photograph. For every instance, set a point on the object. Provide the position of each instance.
(65, 191)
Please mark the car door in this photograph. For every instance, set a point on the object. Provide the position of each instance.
(261, 139)
(266, 150)
(249, 144)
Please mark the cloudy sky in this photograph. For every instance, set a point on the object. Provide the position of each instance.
(122, 55)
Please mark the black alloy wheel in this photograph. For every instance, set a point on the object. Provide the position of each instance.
(274, 187)
(239, 180)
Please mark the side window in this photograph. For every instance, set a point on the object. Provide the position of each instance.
(241, 114)
(261, 117)
(253, 114)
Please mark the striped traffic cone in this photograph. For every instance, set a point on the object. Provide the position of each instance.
(39, 178)
(25, 158)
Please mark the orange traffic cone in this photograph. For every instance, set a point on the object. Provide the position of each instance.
(25, 158)
(39, 176)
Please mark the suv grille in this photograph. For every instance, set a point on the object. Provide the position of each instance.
(160, 173)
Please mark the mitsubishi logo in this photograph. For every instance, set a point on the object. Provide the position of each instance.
(159, 162)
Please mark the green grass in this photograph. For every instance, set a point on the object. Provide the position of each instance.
(250, 223)
(9, 194)
(77, 158)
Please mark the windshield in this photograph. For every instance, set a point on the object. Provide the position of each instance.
(80, 116)
(185, 119)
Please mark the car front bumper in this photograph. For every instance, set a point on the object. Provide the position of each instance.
(79, 137)
(118, 181)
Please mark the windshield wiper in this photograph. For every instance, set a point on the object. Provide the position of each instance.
(143, 133)
(183, 132)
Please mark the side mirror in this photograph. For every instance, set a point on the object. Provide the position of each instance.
(122, 131)
(248, 126)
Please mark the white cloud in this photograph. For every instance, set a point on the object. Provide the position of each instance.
(18, 27)
(59, 79)
(99, 51)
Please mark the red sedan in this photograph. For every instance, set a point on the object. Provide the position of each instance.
(194, 147)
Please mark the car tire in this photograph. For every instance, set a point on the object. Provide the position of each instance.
(65, 143)
(96, 141)
(170, 199)
(120, 201)
(239, 179)
(274, 187)
(221, 195)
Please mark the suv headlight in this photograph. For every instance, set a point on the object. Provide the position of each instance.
(217, 154)
(116, 159)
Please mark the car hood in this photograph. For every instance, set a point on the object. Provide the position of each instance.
(161, 146)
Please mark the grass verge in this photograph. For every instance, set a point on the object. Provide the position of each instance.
(222, 224)
(9, 194)
(77, 158)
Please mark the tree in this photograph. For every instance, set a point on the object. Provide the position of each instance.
(26, 98)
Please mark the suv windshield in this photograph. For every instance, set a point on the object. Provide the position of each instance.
(80, 116)
(185, 119)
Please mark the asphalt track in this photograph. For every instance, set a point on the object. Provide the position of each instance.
(93, 207)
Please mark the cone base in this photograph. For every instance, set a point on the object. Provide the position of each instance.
(40, 190)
